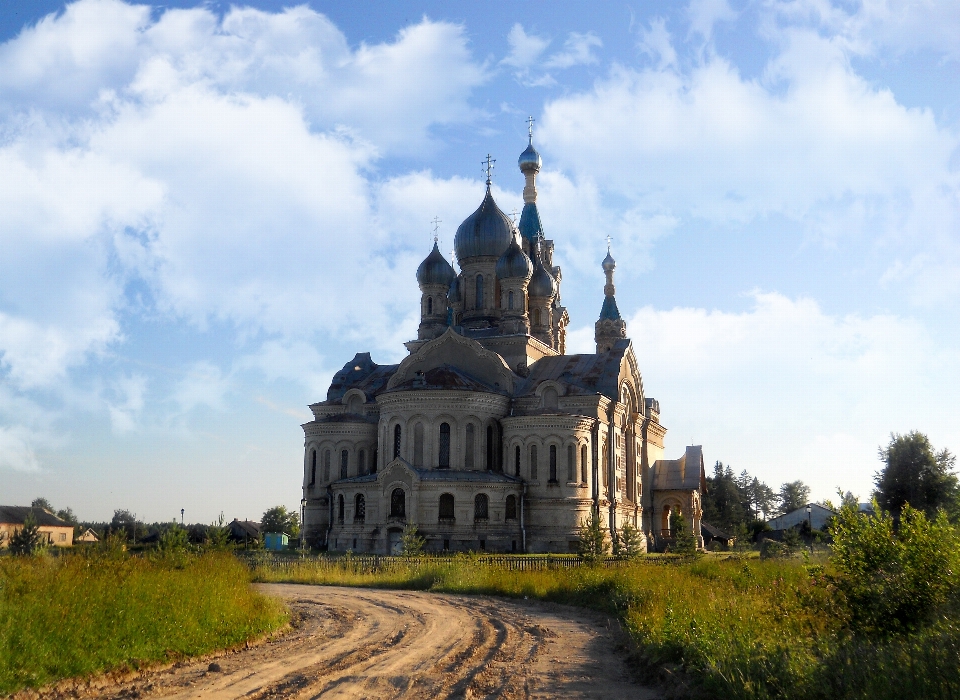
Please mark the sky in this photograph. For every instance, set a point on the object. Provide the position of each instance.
(207, 209)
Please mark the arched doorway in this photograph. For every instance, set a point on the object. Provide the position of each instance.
(394, 541)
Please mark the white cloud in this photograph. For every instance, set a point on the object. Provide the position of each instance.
(704, 14)
(204, 386)
(16, 451)
(525, 49)
(577, 51)
(656, 43)
(788, 391)
(129, 399)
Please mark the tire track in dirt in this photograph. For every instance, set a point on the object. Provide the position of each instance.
(364, 643)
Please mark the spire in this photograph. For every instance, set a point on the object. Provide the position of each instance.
(530, 165)
(610, 327)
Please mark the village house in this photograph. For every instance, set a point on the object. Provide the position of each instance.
(55, 531)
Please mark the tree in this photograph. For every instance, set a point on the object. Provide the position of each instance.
(42, 503)
(218, 534)
(174, 539)
(793, 495)
(630, 544)
(27, 539)
(279, 519)
(126, 522)
(915, 474)
(593, 545)
(411, 543)
(684, 541)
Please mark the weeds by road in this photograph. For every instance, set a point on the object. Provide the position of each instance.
(86, 613)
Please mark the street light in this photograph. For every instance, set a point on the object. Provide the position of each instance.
(181, 517)
(810, 526)
(303, 529)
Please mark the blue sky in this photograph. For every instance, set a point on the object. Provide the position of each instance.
(206, 210)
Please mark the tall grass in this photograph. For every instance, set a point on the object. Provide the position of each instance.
(82, 614)
(736, 628)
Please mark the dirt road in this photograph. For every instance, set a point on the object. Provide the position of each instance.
(361, 643)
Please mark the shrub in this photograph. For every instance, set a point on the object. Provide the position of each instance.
(593, 545)
(630, 544)
(27, 540)
(684, 541)
(411, 543)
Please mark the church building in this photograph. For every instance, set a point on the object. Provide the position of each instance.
(488, 436)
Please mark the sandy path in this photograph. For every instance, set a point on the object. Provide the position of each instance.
(363, 643)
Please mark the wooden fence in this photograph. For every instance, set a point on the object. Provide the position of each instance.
(365, 563)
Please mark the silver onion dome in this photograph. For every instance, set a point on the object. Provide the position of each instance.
(435, 269)
(609, 264)
(514, 263)
(485, 233)
(529, 159)
(542, 283)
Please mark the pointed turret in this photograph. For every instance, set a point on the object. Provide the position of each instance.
(610, 327)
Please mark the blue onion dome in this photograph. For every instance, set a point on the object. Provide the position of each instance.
(453, 295)
(485, 233)
(609, 264)
(529, 159)
(542, 283)
(435, 269)
(514, 263)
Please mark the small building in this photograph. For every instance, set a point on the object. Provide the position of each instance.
(276, 541)
(817, 517)
(677, 487)
(87, 535)
(713, 534)
(244, 530)
(56, 532)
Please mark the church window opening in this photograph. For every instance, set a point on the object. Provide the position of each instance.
(511, 512)
(479, 291)
(551, 400)
(373, 461)
(340, 507)
(571, 463)
(429, 306)
(446, 506)
(553, 464)
(398, 504)
(360, 508)
(326, 465)
(444, 462)
(418, 445)
(480, 507)
(344, 461)
(490, 446)
(396, 441)
(313, 467)
(468, 448)
(665, 521)
(536, 317)
(583, 464)
(362, 462)
(510, 301)
(516, 461)
(533, 462)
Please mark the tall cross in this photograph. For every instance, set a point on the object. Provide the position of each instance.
(514, 214)
(488, 163)
(530, 121)
(436, 227)
(608, 242)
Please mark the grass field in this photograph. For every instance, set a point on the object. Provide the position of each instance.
(82, 614)
(734, 628)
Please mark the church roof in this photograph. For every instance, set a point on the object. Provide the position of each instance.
(530, 226)
(609, 309)
(684, 474)
(360, 373)
(445, 377)
(582, 374)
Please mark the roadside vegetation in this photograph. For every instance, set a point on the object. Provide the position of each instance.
(101, 609)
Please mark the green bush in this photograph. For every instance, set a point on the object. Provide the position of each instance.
(593, 544)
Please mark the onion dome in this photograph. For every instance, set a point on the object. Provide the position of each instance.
(514, 263)
(529, 159)
(435, 269)
(453, 295)
(485, 233)
(542, 283)
(609, 264)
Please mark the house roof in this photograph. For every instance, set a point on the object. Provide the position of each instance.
(15, 515)
(714, 532)
(239, 528)
(684, 474)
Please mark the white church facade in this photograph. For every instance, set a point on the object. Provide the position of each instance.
(488, 436)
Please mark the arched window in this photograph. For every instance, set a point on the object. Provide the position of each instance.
(479, 291)
(398, 504)
(340, 507)
(429, 306)
(480, 507)
(326, 465)
(533, 462)
(396, 441)
(511, 513)
(583, 464)
(313, 467)
(536, 317)
(490, 448)
(468, 448)
(359, 507)
(444, 462)
(516, 461)
(551, 399)
(446, 506)
(510, 301)
(373, 461)
(571, 463)
(362, 462)
(418, 445)
(553, 463)
(344, 460)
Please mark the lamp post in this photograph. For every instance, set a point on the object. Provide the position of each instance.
(303, 529)
(810, 525)
(181, 517)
